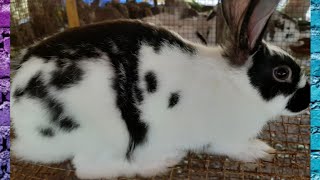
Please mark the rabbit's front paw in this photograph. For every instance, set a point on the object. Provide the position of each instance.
(255, 150)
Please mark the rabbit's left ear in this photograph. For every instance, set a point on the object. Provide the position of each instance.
(258, 15)
(246, 20)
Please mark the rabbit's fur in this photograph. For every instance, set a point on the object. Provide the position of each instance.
(125, 97)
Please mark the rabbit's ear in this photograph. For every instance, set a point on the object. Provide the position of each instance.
(234, 12)
(246, 20)
(257, 20)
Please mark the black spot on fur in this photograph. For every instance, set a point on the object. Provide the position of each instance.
(36, 87)
(18, 93)
(63, 78)
(61, 63)
(92, 41)
(139, 94)
(151, 81)
(261, 74)
(55, 108)
(174, 99)
(67, 124)
(47, 132)
(300, 100)
(58, 118)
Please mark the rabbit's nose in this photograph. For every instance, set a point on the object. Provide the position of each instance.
(300, 100)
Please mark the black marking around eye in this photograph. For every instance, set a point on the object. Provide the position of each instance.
(151, 81)
(261, 73)
(63, 78)
(47, 132)
(173, 99)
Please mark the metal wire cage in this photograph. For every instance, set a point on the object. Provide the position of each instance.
(198, 21)
(32, 21)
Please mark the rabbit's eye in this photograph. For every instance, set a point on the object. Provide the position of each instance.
(282, 74)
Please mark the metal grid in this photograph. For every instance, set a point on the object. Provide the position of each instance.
(290, 23)
(186, 18)
(289, 28)
(290, 136)
(32, 20)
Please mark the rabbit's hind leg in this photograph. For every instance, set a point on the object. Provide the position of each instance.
(156, 162)
(36, 138)
(93, 166)
(37, 149)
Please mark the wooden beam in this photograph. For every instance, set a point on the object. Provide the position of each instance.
(72, 13)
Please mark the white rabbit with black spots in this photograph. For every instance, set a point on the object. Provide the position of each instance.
(124, 97)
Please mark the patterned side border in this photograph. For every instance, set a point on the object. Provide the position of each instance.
(315, 89)
(4, 89)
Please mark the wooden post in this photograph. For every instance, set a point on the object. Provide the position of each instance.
(72, 13)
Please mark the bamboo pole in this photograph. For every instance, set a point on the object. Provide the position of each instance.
(72, 13)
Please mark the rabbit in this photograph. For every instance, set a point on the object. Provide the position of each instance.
(284, 32)
(126, 98)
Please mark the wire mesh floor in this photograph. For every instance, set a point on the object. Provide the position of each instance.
(288, 135)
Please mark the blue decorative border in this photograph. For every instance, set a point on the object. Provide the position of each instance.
(4, 89)
(315, 89)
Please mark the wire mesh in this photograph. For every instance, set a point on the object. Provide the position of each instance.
(289, 28)
(32, 20)
(198, 21)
